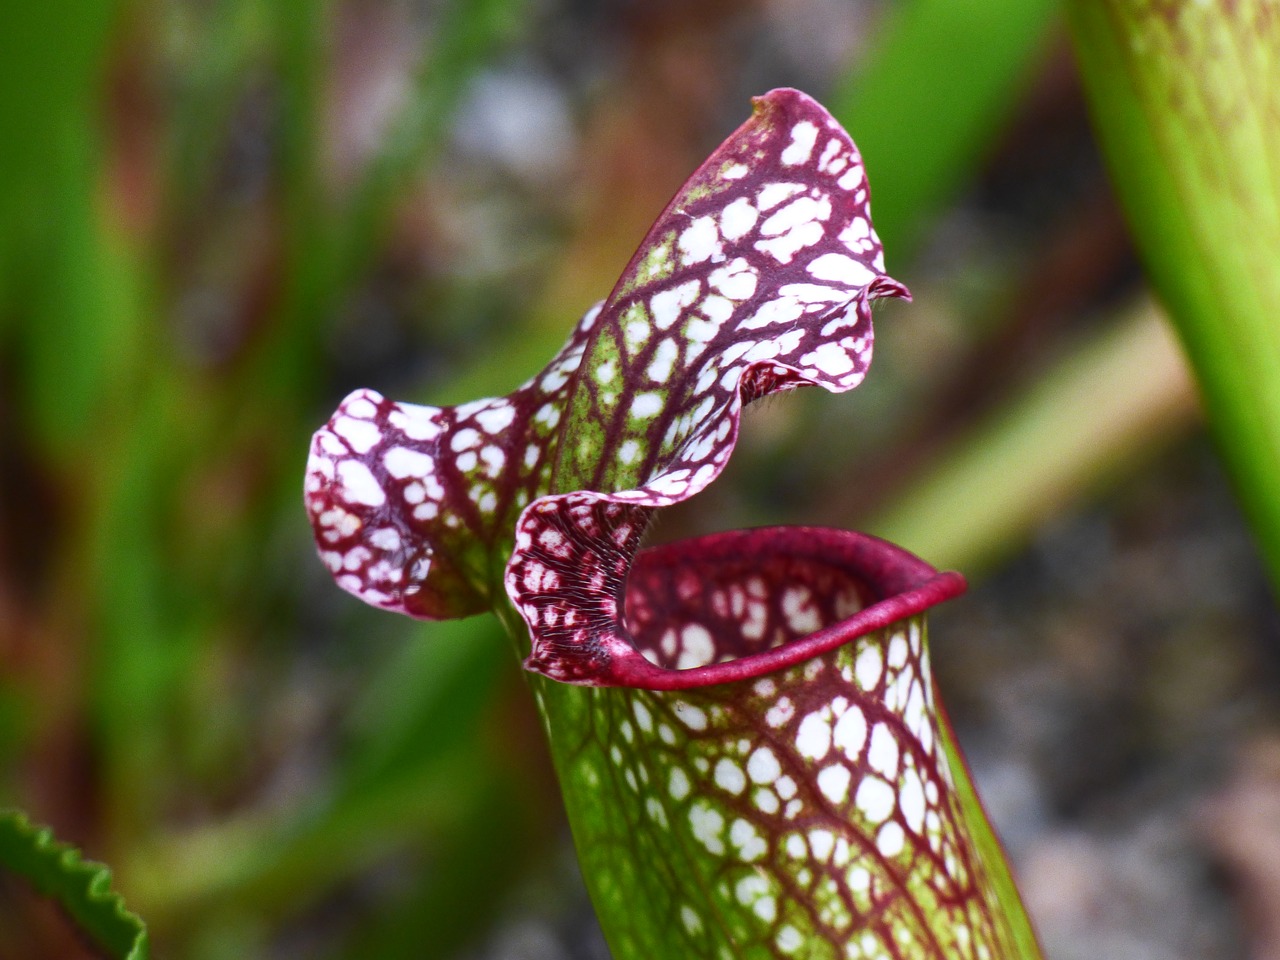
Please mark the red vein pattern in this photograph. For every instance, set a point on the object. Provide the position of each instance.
(748, 739)
(812, 812)
(758, 277)
(408, 503)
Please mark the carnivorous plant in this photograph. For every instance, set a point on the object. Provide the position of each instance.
(749, 739)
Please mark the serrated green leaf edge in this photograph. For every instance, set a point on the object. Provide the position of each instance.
(81, 887)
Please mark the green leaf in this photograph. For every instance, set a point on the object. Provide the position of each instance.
(81, 887)
(1186, 101)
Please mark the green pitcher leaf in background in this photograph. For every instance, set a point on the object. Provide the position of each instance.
(1186, 101)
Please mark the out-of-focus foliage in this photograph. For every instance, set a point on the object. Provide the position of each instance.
(217, 218)
(1186, 98)
(953, 72)
(81, 888)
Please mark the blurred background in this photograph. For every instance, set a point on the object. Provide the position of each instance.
(217, 217)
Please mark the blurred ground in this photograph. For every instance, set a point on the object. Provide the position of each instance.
(1119, 682)
(220, 217)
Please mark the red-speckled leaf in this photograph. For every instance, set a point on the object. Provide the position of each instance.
(412, 506)
(751, 752)
(758, 277)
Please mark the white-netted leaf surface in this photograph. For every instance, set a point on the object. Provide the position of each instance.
(812, 811)
(758, 277)
(750, 744)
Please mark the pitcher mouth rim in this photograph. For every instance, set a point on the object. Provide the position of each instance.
(900, 585)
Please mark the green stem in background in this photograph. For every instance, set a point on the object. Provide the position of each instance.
(1122, 391)
(414, 762)
(1186, 101)
(953, 71)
